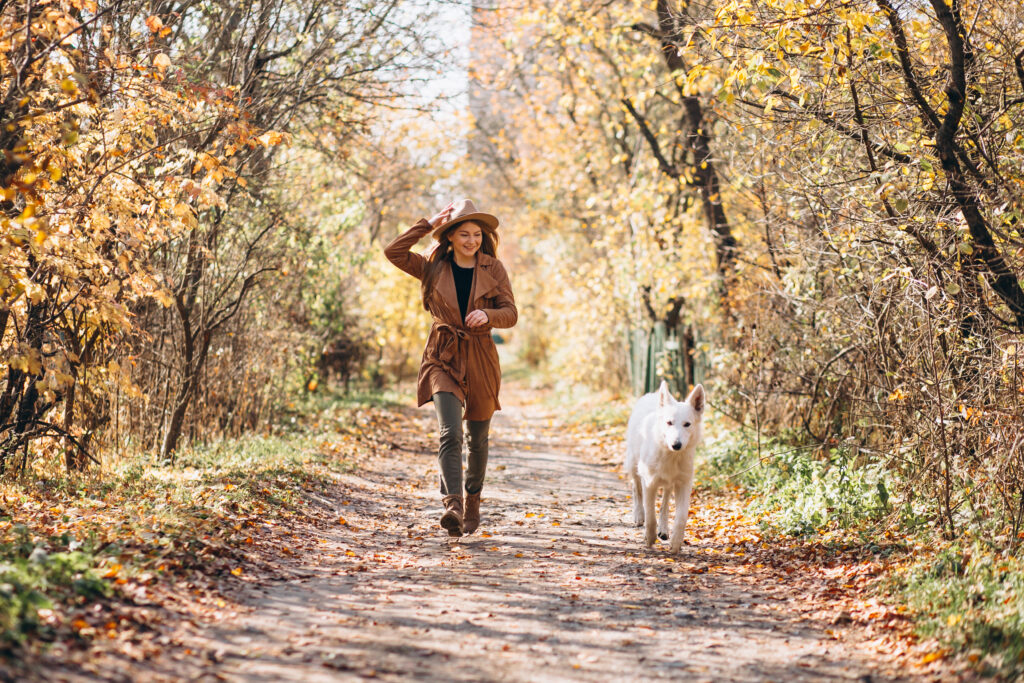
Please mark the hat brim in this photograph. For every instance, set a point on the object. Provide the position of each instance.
(484, 218)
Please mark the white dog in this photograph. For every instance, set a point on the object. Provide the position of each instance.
(661, 439)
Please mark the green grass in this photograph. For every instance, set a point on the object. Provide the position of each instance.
(578, 405)
(599, 415)
(34, 581)
(801, 491)
(971, 600)
(330, 401)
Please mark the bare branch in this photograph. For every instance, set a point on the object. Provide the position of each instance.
(667, 168)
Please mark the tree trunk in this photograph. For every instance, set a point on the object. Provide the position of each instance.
(185, 395)
(72, 461)
(702, 173)
(987, 257)
(173, 432)
(185, 301)
(26, 405)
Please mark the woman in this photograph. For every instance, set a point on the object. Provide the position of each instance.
(467, 291)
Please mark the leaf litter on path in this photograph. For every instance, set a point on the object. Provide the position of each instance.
(556, 585)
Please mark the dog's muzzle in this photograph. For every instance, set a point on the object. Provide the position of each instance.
(677, 446)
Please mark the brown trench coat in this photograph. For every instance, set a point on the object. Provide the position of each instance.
(457, 358)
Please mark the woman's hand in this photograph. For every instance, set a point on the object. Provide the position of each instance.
(476, 318)
(443, 215)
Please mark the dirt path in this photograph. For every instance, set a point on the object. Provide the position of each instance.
(556, 586)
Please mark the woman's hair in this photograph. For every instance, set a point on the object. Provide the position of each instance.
(444, 252)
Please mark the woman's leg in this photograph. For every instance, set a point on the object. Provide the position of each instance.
(478, 443)
(449, 451)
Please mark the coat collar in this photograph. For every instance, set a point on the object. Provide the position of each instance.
(483, 282)
(483, 279)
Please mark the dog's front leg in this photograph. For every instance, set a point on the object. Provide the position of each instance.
(666, 495)
(638, 501)
(682, 512)
(650, 521)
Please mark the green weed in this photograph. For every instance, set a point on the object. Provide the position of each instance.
(32, 580)
(971, 599)
(802, 491)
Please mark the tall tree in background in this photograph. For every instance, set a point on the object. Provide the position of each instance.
(602, 157)
(698, 169)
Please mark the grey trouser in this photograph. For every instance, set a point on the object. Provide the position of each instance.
(449, 453)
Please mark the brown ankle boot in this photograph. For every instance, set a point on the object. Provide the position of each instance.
(452, 517)
(472, 519)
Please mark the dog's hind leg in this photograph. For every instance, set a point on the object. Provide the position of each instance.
(666, 494)
(638, 501)
(650, 531)
(682, 512)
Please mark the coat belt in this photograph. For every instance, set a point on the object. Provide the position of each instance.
(451, 350)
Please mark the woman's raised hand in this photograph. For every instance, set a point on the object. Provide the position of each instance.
(443, 215)
(476, 318)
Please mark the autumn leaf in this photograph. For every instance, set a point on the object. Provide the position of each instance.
(271, 138)
(932, 656)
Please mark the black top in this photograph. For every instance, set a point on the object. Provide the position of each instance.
(463, 283)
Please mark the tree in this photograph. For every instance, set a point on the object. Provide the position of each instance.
(699, 169)
(142, 145)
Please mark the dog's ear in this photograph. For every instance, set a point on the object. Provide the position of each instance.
(696, 398)
(664, 395)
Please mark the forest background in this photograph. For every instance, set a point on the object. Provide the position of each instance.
(820, 202)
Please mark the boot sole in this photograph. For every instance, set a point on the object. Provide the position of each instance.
(452, 524)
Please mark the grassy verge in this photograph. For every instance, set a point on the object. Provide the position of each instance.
(968, 599)
(972, 600)
(799, 492)
(72, 546)
(588, 423)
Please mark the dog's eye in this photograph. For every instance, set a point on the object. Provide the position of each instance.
(686, 424)
(669, 423)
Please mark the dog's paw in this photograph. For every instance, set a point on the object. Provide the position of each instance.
(638, 522)
(677, 544)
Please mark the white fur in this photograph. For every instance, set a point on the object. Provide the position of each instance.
(661, 439)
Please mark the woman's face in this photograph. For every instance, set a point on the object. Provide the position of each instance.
(466, 238)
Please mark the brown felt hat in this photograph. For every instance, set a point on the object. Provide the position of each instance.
(465, 210)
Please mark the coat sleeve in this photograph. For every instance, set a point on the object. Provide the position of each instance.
(398, 251)
(504, 314)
